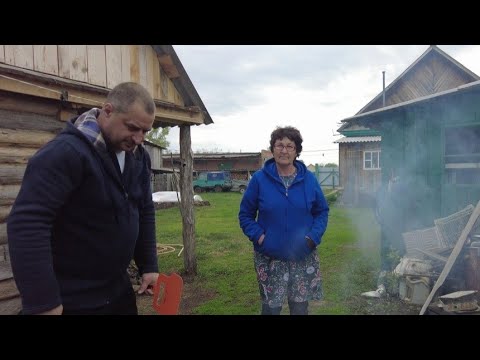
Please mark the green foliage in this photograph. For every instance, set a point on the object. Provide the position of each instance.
(330, 165)
(393, 258)
(331, 198)
(159, 136)
(349, 258)
(391, 282)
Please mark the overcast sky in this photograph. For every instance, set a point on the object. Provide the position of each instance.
(250, 90)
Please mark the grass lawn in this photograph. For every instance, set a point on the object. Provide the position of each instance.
(349, 256)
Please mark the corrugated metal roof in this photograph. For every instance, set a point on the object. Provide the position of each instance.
(356, 139)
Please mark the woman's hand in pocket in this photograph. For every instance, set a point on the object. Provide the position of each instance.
(260, 240)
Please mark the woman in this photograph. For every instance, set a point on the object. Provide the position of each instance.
(292, 218)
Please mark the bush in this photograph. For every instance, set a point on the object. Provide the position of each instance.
(332, 197)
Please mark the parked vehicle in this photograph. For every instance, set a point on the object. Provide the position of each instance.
(212, 180)
(239, 185)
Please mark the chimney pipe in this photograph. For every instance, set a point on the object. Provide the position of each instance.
(383, 88)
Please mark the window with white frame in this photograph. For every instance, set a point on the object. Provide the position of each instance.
(371, 160)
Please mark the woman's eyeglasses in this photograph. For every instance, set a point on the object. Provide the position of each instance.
(280, 147)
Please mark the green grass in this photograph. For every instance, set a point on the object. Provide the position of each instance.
(349, 257)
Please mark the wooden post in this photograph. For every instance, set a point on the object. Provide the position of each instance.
(186, 206)
(453, 256)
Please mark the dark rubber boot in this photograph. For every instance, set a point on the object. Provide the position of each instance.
(267, 310)
(298, 308)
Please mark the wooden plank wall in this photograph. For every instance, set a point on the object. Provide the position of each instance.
(101, 65)
(353, 178)
(155, 156)
(25, 125)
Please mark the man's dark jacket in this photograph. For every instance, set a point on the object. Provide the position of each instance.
(77, 223)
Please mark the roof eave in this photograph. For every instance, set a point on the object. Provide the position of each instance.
(182, 81)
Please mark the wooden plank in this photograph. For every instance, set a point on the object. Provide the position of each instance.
(5, 270)
(9, 54)
(151, 58)
(3, 233)
(163, 85)
(168, 66)
(11, 174)
(27, 121)
(171, 89)
(23, 56)
(65, 115)
(78, 62)
(2, 53)
(142, 65)
(27, 104)
(54, 90)
(15, 155)
(11, 306)
(172, 116)
(453, 256)
(4, 254)
(4, 212)
(72, 62)
(432, 255)
(134, 63)
(45, 58)
(8, 289)
(157, 92)
(113, 57)
(126, 62)
(64, 61)
(178, 100)
(8, 193)
(30, 138)
(97, 71)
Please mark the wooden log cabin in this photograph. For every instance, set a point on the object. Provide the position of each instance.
(42, 86)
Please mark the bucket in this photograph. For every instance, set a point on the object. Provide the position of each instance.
(415, 289)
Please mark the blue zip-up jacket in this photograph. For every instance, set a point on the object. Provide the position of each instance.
(286, 217)
(77, 223)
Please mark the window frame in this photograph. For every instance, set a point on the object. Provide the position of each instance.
(371, 152)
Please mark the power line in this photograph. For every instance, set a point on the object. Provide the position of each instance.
(319, 150)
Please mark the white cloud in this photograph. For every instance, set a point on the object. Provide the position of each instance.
(249, 90)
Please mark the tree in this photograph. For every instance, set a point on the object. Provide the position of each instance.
(331, 165)
(159, 136)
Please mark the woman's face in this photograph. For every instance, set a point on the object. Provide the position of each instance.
(284, 151)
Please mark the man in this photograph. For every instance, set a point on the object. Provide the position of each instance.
(85, 210)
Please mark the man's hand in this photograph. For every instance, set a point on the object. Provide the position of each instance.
(55, 311)
(148, 282)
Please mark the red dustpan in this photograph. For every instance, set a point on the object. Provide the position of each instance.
(167, 294)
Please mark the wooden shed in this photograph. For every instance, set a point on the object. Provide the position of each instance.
(431, 145)
(42, 86)
(361, 160)
(240, 165)
(163, 178)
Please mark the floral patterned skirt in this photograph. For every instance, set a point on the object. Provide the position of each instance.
(298, 281)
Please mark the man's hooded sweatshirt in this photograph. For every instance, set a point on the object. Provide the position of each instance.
(78, 221)
(285, 216)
